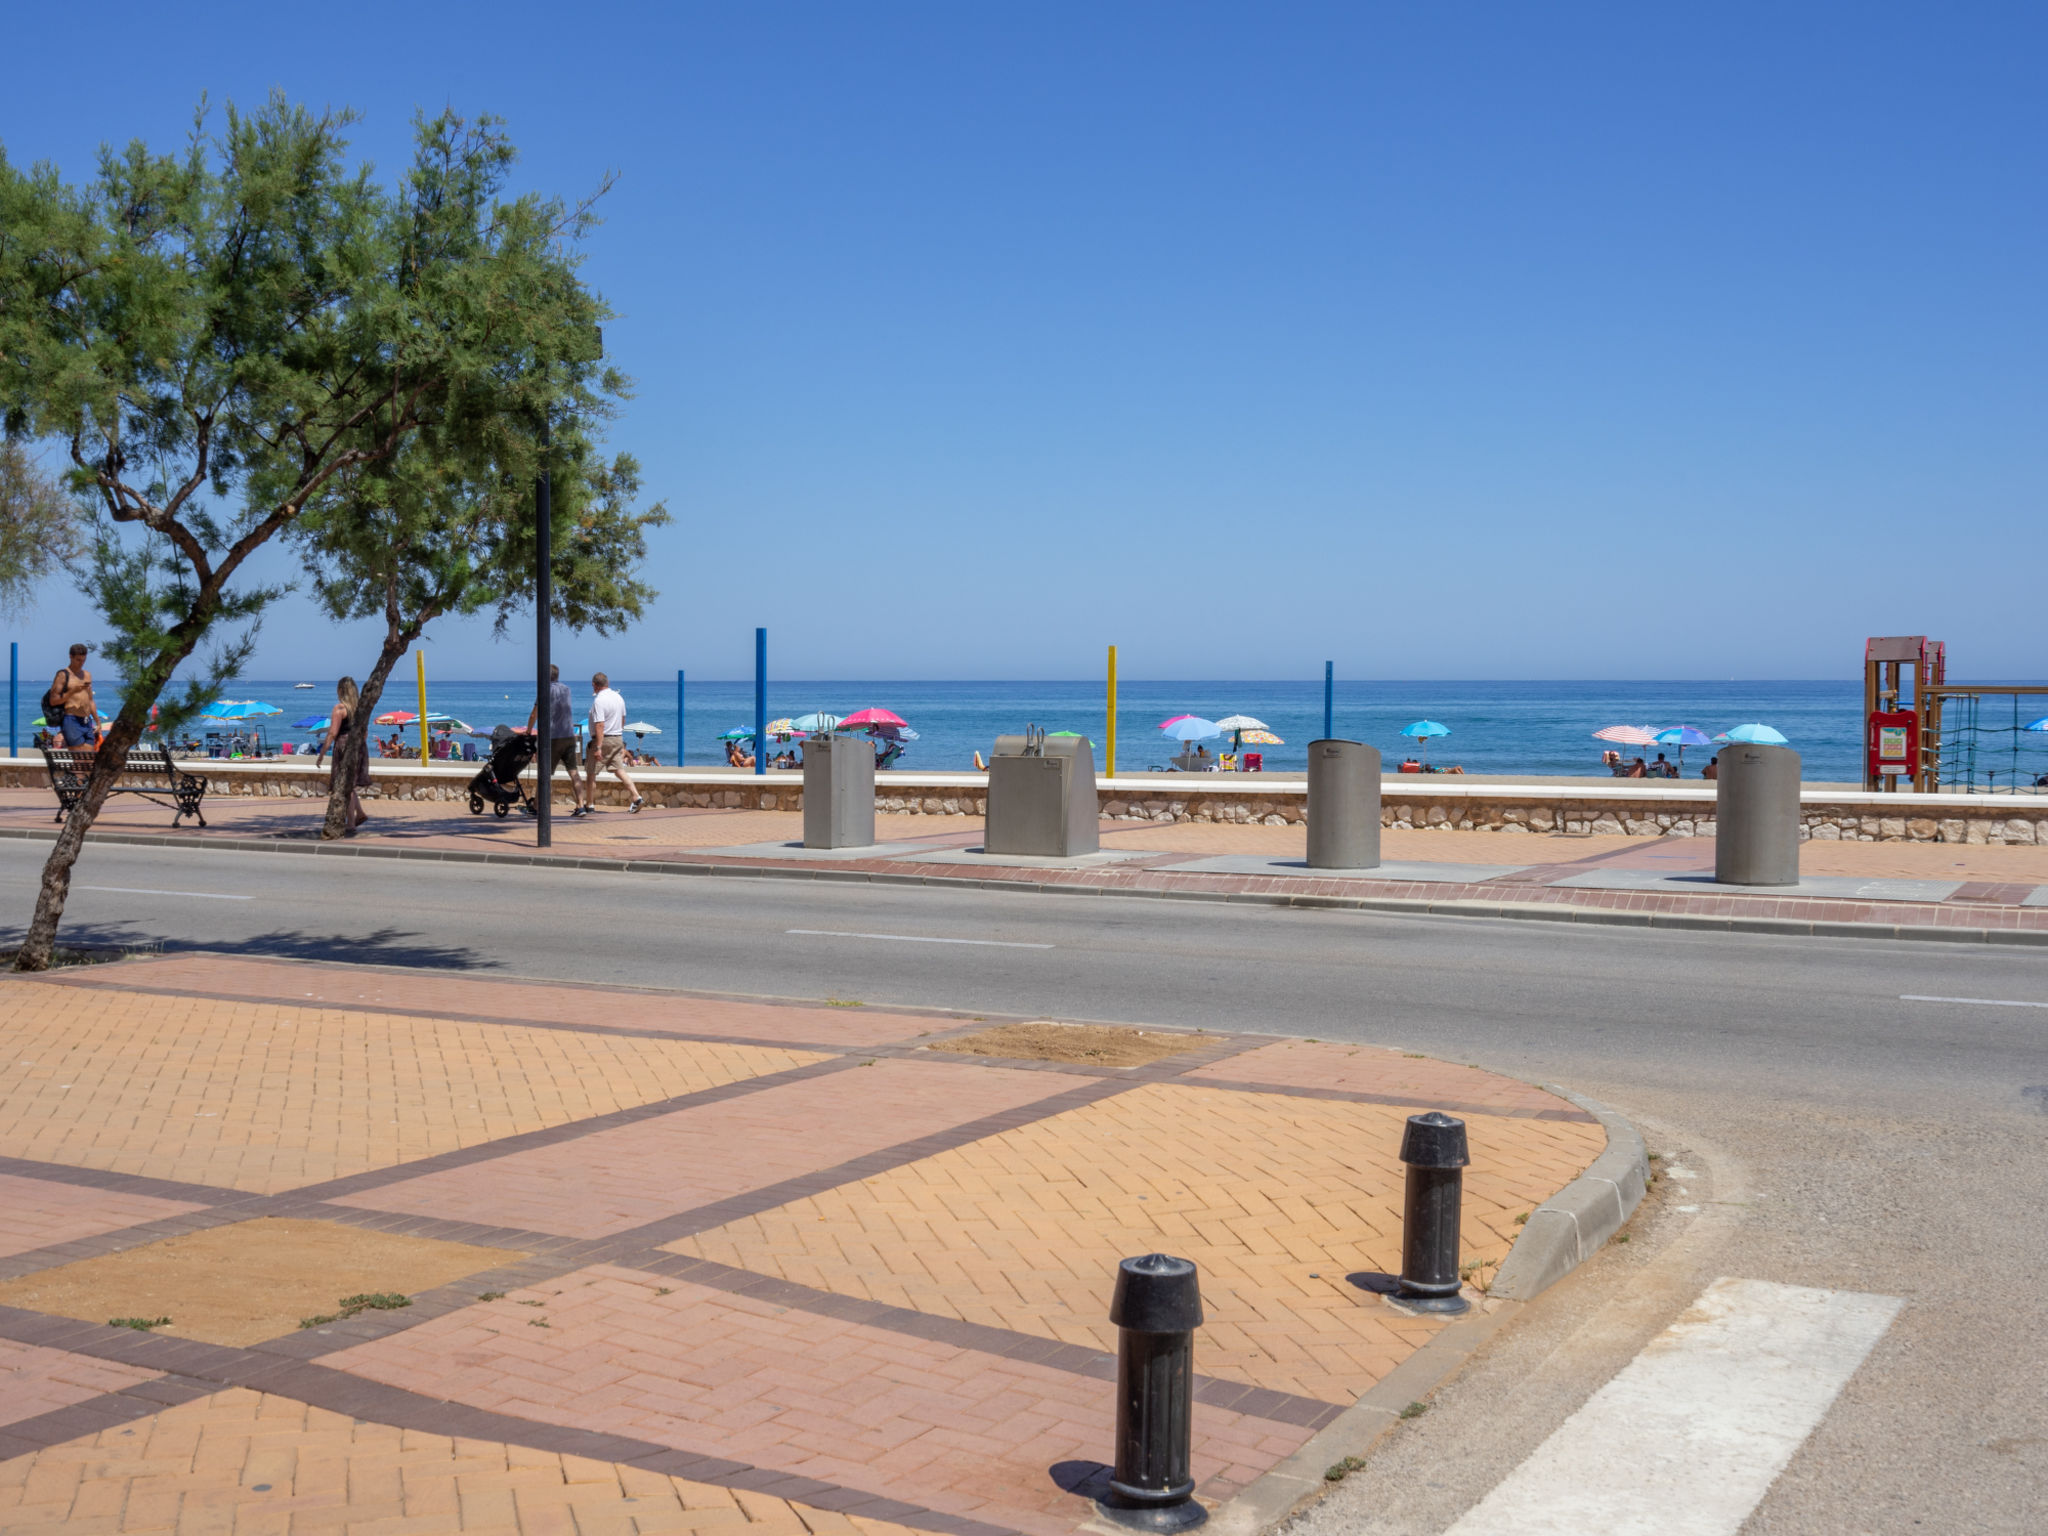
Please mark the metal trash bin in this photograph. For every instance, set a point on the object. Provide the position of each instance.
(1756, 816)
(839, 792)
(1041, 796)
(1343, 805)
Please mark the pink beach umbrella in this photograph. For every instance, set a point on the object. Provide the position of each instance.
(874, 717)
(1628, 735)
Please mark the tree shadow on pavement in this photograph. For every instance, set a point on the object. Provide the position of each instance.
(383, 946)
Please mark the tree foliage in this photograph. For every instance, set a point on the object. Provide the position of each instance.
(41, 532)
(215, 335)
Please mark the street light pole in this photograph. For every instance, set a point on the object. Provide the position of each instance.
(543, 606)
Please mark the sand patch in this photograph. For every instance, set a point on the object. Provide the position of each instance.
(1095, 1045)
(249, 1281)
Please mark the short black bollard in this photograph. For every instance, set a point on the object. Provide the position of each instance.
(1158, 1306)
(1434, 1150)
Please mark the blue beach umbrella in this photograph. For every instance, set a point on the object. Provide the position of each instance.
(240, 709)
(737, 733)
(1756, 735)
(1191, 728)
(1423, 729)
(2036, 725)
(815, 722)
(1684, 736)
(310, 723)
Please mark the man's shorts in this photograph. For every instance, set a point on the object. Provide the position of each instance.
(608, 754)
(80, 730)
(562, 754)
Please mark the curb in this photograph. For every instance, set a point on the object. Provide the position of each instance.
(1561, 1234)
(1542, 912)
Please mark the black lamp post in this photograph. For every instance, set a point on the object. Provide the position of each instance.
(543, 606)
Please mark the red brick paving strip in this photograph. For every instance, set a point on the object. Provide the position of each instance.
(42, 1214)
(35, 1380)
(619, 1179)
(707, 1371)
(1384, 1077)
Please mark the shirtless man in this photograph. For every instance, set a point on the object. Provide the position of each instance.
(78, 712)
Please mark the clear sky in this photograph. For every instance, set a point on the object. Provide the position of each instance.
(1446, 341)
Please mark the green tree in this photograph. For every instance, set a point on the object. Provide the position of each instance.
(214, 335)
(41, 531)
(432, 532)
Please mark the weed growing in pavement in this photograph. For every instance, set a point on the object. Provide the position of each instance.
(532, 1303)
(664, 1290)
(1414, 1410)
(491, 1296)
(1622, 1237)
(1523, 1219)
(1339, 1470)
(1415, 1055)
(139, 1324)
(536, 1322)
(844, 1002)
(368, 1301)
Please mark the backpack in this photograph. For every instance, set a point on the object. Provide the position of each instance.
(52, 705)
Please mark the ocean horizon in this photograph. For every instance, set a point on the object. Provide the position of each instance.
(1496, 726)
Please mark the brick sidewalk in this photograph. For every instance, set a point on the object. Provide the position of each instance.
(744, 1263)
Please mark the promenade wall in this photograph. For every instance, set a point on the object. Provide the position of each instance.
(1631, 807)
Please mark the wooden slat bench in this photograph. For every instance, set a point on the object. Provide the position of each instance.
(148, 772)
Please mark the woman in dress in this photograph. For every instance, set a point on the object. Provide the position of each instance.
(346, 734)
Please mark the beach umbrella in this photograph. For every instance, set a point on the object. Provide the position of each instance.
(397, 717)
(1681, 737)
(1260, 738)
(894, 732)
(816, 722)
(1191, 728)
(1174, 720)
(874, 717)
(2036, 725)
(783, 727)
(1240, 723)
(642, 728)
(310, 723)
(230, 709)
(1627, 735)
(1089, 739)
(1422, 730)
(737, 733)
(1759, 735)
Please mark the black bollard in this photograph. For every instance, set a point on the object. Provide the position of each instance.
(1158, 1306)
(1434, 1150)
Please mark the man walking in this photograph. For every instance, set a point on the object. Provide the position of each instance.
(559, 750)
(77, 712)
(607, 744)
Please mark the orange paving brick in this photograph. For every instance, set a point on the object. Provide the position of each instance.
(251, 1462)
(612, 1180)
(36, 1380)
(537, 1002)
(40, 1214)
(1421, 1081)
(1024, 1230)
(261, 1097)
(953, 1429)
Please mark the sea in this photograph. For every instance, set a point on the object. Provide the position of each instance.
(1502, 727)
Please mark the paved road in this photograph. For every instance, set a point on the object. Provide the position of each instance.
(1837, 1136)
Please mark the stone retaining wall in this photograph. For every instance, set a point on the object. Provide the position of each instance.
(1637, 811)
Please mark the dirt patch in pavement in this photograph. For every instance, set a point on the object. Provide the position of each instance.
(249, 1281)
(1094, 1045)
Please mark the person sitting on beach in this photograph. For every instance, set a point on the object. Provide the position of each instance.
(1638, 770)
(1611, 760)
(1410, 765)
(1662, 769)
(1712, 770)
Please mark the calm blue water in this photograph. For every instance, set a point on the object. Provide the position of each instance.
(1496, 727)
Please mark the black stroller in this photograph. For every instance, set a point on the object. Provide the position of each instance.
(498, 780)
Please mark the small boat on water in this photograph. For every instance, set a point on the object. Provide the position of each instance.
(302, 685)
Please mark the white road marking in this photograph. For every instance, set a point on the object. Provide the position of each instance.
(909, 938)
(1688, 1438)
(137, 890)
(1977, 1002)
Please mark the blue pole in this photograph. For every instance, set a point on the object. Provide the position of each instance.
(13, 695)
(760, 701)
(1329, 699)
(681, 752)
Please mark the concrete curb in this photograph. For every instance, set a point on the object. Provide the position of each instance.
(1569, 1228)
(1561, 1234)
(1526, 911)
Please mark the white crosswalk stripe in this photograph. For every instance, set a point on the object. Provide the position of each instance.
(1688, 1438)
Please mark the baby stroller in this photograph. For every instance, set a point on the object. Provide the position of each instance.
(498, 780)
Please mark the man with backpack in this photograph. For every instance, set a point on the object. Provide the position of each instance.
(70, 706)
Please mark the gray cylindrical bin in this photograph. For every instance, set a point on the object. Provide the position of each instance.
(1756, 816)
(839, 792)
(1343, 805)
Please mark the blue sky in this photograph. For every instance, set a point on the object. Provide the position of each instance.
(1477, 341)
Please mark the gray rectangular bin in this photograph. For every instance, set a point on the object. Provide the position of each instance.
(1041, 797)
(839, 792)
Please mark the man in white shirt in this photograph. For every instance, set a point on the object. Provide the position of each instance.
(607, 744)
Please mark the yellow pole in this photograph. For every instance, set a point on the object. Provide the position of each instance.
(421, 657)
(1112, 712)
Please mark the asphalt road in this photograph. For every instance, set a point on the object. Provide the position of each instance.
(1837, 1134)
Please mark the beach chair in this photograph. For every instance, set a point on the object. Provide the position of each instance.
(1255, 762)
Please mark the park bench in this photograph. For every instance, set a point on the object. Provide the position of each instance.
(148, 772)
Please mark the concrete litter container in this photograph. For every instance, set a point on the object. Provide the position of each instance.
(1041, 797)
(1343, 805)
(839, 792)
(1756, 816)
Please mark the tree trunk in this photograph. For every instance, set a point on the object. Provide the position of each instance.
(344, 781)
(41, 939)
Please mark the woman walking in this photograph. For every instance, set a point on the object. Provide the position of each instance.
(347, 734)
